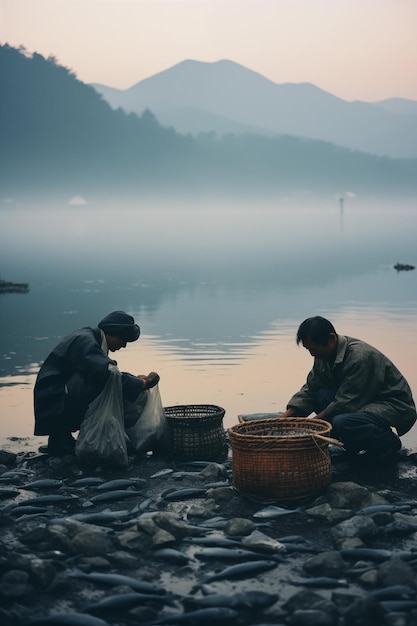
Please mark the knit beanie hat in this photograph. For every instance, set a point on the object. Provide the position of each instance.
(120, 324)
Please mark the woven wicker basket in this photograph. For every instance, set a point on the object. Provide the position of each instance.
(281, 458)
(197, 431)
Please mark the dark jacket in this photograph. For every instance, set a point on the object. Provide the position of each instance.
(362, 379)
(72, 375)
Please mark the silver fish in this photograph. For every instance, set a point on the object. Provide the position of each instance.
(45, 483)
(272, 512)
(162, 472)
(87, 481)
(183, 494)
(118, 494)
(242, 570)
(5, 494)
(387, 508)
(53, 498)
(127, 601)
(101, 517)
(114, 580)
(212, 615)
(121, 483)
(394, 592)
(239, 600)
(171, 556)
(67, 619)
(228, 554)
(323, 582)
(392, 606)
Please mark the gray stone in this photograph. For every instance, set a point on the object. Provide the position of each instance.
(357, 526)
(395, 571)
(239, 526)
(326, 564)
(91, 543)
(346, 495)
(213, 471)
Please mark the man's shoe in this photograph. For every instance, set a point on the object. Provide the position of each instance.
(61, 444)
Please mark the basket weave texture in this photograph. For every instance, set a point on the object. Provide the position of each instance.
(280, 458)
(196, 431)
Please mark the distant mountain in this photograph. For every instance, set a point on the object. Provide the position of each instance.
(399, 106)
(224, 96)
(59, 137)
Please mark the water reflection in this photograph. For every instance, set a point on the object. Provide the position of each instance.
(219, 295)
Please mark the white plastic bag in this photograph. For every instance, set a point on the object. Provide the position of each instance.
(151, 431)
(102, 438)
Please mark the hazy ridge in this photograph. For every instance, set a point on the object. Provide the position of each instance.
(224, 96)
(60, 137)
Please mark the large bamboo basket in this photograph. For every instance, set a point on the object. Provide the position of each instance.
(196, 431)
(281, 458)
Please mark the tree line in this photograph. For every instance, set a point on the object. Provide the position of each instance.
(59, 133)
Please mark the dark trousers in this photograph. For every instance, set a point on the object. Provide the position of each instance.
(359, 430)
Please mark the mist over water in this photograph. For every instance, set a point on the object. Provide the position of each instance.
(218, 292)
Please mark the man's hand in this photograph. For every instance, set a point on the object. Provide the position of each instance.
(152, 379)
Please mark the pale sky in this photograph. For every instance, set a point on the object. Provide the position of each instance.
(354, 49)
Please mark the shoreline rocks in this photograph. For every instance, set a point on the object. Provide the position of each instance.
(186, 548)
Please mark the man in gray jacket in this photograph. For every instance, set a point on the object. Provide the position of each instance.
(356, 388)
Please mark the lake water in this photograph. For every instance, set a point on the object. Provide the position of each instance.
(219, 293)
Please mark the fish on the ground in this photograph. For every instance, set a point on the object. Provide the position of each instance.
(66, 619)
(171, 555)
(127, 601)
(5, 494)
(121, 483)
(238, 600)
(162, 472)
(114, 580)
(394, 592)
(273, 512)
(325, 582)
(383, 508)
(118, 494)
(87, 481)
(373, 554)
(210, 616)
(183, 494)
(241, 570)
(45, 483)
(230, 554)
(52, 498)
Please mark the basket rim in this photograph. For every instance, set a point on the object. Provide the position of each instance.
(253, 428)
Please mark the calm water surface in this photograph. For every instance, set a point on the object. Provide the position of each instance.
(218, 292)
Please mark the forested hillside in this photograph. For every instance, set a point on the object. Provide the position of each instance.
(59, 135)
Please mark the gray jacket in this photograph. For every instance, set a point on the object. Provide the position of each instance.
(362, 379)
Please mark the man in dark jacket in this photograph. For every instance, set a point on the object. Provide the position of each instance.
(356, 388)
(75, 373)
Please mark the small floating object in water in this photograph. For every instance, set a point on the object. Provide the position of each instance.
(9, 287)
(401, 267)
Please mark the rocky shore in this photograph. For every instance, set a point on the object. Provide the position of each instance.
(165, 542)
